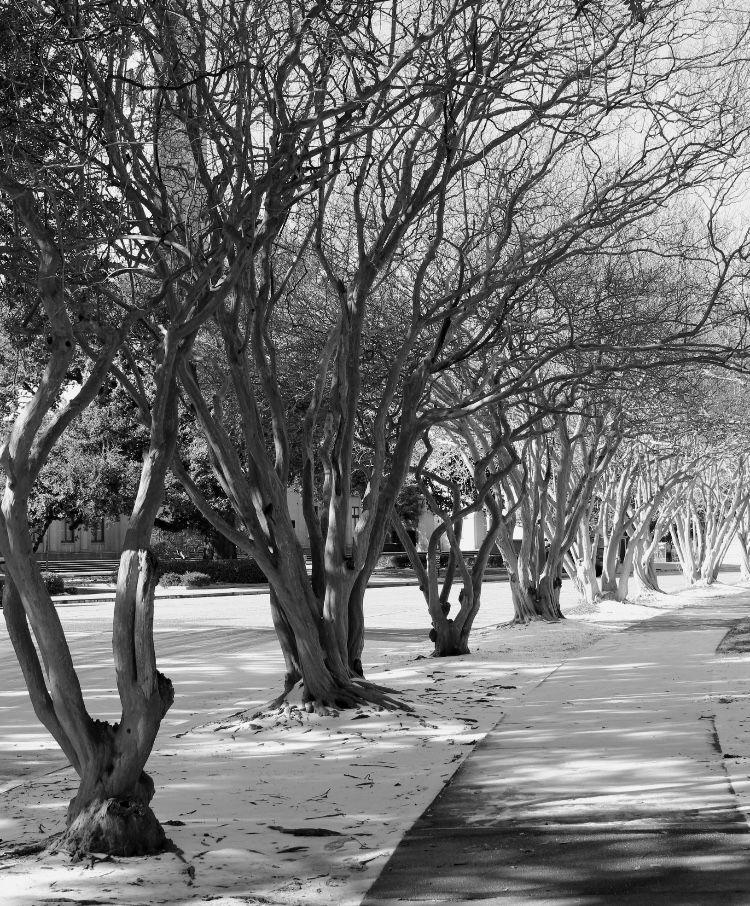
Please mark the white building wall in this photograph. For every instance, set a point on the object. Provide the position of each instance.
(57, 539)
(82, 543)
(472, 535)
(733, 555)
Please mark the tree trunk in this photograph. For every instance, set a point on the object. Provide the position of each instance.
(540, 601)
(580, 565)
(709, 571)
(586, 582)
(623, 584)
(547, 598)
(644, 572)
(743, 539)
(523, 606)
(293, 673)
(608, 581)
(110, 812)
(449, 640)
(315, 646)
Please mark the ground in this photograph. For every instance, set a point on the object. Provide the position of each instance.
(288, 808)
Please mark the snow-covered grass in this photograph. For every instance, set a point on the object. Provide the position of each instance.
(288, 808)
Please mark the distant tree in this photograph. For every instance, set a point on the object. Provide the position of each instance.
(92, 472)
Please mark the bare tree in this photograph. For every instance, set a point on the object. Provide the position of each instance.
(477, 467)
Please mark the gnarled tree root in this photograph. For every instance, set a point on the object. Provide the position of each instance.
(355, 693)
(528, 620)
(117, 827)
(360, 692)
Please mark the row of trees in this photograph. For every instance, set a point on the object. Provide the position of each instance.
(581, 485)
(314, 236)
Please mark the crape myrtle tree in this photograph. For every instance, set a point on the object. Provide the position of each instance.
(644, 489)
(483, 467)
(550, 488)
(708, 514)
(33, 624)
(488, 162)
(282, 98)
(456, 480)
(658, 484)
(56, 249)
(629, 511)
(480, 451)
(631, 501)
(623, 332)
(174, 141)
(711, 507)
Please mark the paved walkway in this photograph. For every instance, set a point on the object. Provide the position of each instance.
(604, 785)
(385, 579)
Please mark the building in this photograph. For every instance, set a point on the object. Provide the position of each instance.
(106, 537)
(102, 539)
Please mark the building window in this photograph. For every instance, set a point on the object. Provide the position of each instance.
(294, 523)
(355, 514)
(69, 533)
(97, 531)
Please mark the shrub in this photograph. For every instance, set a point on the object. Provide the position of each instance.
(400, 561)
(196, 580)
(167, 580)
(244, 571)
(240, 572)
(394, 561)
(54, 584)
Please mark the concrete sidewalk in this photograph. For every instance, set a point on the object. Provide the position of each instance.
(605, 784)
(393, 579)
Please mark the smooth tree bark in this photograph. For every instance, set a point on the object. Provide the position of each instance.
(582, 558)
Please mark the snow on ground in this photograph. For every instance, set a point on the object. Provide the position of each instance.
(289, 808)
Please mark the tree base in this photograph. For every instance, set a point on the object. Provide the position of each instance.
(448, 641)
(117, 827)
(526, 619)
(356, 693)
(451, 651)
